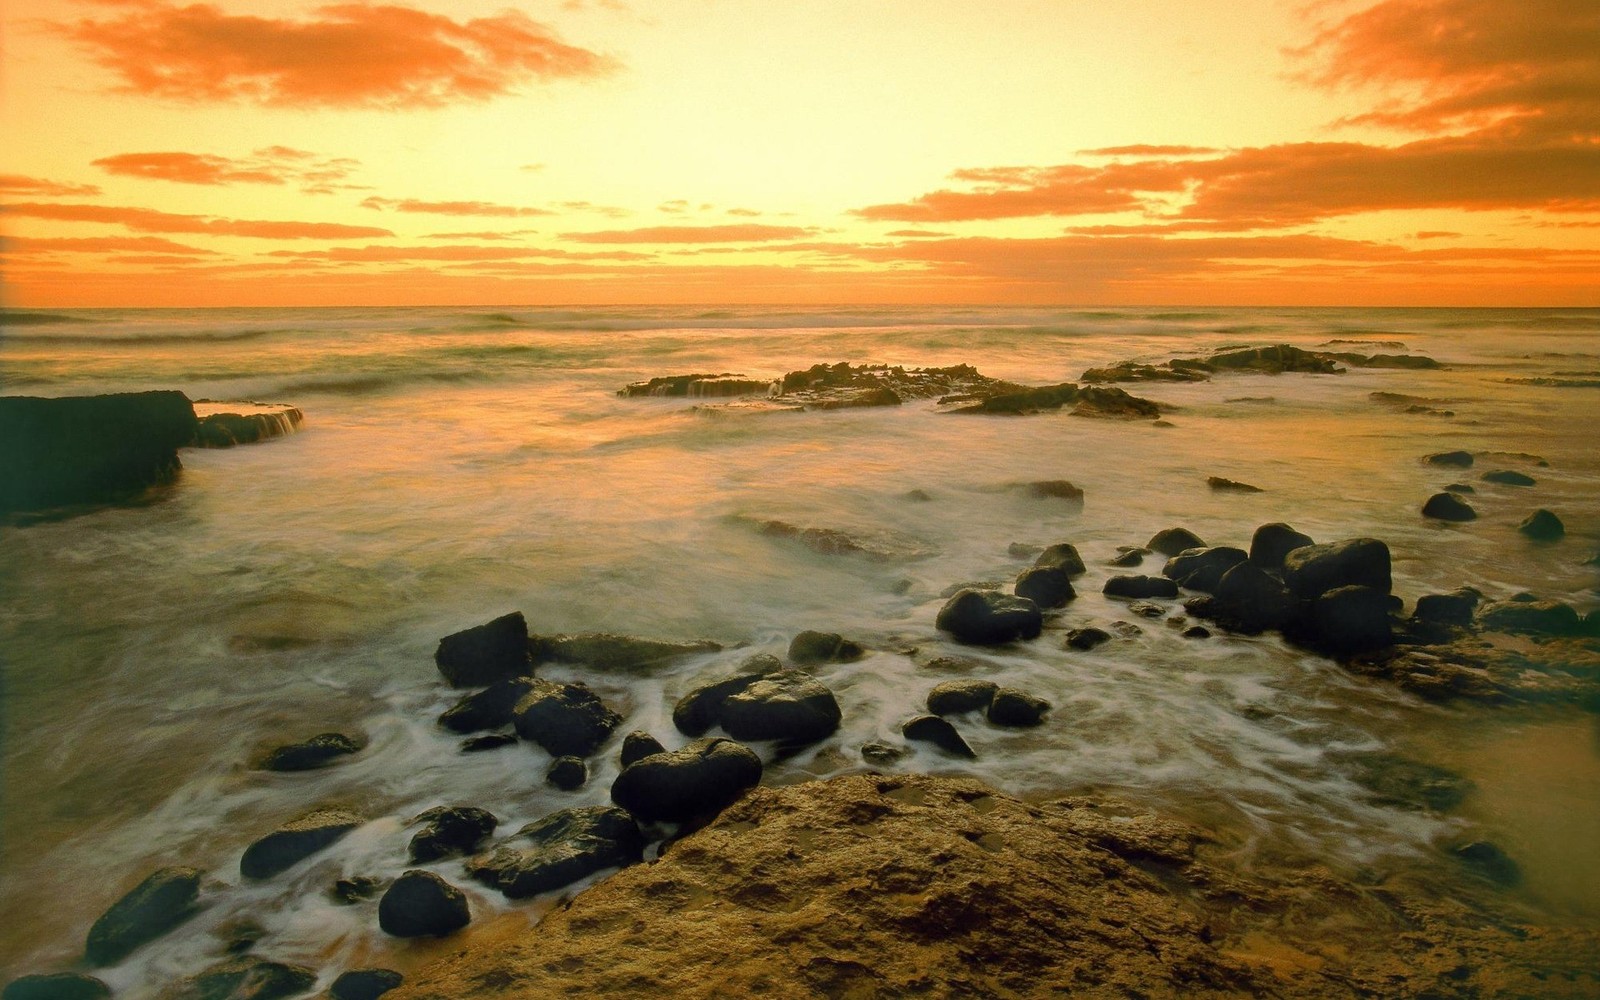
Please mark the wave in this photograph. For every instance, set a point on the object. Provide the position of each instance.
(10, 318)
(373, 384)
(164, 338)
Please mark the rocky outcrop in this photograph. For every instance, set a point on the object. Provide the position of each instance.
(1202, 569)
(223, 425)
(564, 718)
(725, 384)
(611, 652)
(695, 782)
(1533, 617)
(1022, 400)
(451, 830)
(421, 904)
(1100, 401)
(1275, 359)
(318, 751)
(559, 850)
(246, 978)
(295, 841)
(1447, 506)
(165, 899)
(481, 655)
(986, 618)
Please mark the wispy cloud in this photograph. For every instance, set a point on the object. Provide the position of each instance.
(482, 208)
(147, 220)
(744, 233)
(16, 184)
(98, 244)
(271, 165)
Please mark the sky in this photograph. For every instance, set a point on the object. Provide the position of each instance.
(1075, 152)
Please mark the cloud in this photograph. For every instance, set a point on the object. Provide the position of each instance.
(97, 244)
(483, 208)
(16, 184)
(146, 220)
(745, 233)
(347, 55)
(271, 165)
(384, 254)
(916, 234)
(1147, 149)
(481, 235)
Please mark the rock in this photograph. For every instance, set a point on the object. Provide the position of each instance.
(789, 706)
(1489, 861)
(1352, 619)
(421, 904)
(1460, 488)
(1128, 371)
(490, 708)
(89, 449)
(451, 830)
(1542, 526)
(318, 751)
(1230, 486)
(1015, 708)
(1146, 609)
(245, 978)
(1196, 632)
(565, 719)
(810, 647)
(1275, 360)
(1022, 400)
(1447, 609)
(1053, 489)
(881, 754)
(1448, 507)
(1254, 600)
(1062, 555)
(725, 384)
(1023, 550)
(559, 850)
(56, 986)
(364, 984)
(638, 745)
(700, 709)
(833, 542)
(1046, 586)
(494, 741)
(622, 653)
(1087, 638)
(951, 697)
(220, 427)
(1530, 617)
(1128, 555)
(1452, 459)
(1508, 477)
(1172, 541)
(165, 899)
(1312, 570)
(567, 773)
(985, 618)
(939, 732)
(695, 782)
(478, 656)
(1272, 542)
(355, 888)
(1202, 569)
(1139, 587)
(295, 841)
(1409, 784)
(1104, 401)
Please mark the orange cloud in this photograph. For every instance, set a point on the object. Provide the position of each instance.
(96, 244)
(452, 207)
(350, 55)
(147, 220)
(377, 254)
(16, 184)
(748, 233)
(272, 165)
(1147, 149)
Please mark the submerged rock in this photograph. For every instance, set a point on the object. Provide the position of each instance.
(725, 384)
(318, 751)
(1087, 638)
(494, 741)
(1490, 861)
(1023, 400)
(1542, 526)
(564, 719)
(697, 781)
(1053, 489)
(295, 841)
(1173, 541)
(221, 427)
(1455, 608)
(490, 708)
(1530, 618)
(939, 732)
(1508, 477)
(559, 850)
(355, 888)
(1134, 586)
(952, 697)
(607, 651)
(1017, 709)
(1448, 507)
(986, 618)
(481, 655)
(1062, 555)
(56, 986)
(1274, 360)
(421, 904)
(1453, 459)
(364, 984)
(811, 647)
(1100, 401)
(451, 830)
(245, 978)
(165, 899)
(1230, 486)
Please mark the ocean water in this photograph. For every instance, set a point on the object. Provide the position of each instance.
(457, 464)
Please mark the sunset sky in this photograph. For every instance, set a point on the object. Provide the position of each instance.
(277, 152)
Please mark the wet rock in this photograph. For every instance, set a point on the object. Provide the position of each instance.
(789, 706)
(1126, 629)
(1023, 550)
(1489, 861)
(1230, 486)
(1272, 542)
(244, 978)
(1196, 632)
(638, 745)
(939, 732)
(1062, 555)
(364, 984)
(494, 741)
(725, 384)
(810, 647)
(567, 773)
(1022, 400)
(564, 719)
(1451, 459)
(608, 651)
(1448, 507)
(494, 651)
(1454, 608)
(833, 542)
(1047, 586)
(1128, 556)
(985, 618)
(1053, 489)
(1530, 618)
(355, 888)
(1542, 526)
(1105, 401)
(1087, 638)
(559, 850)
(1146, 609)
(1202, 569)
(451, 830)
(842, 385)
(240, 934)
(1274, 360)
(56, 986)
(698, 781)
(951, 697)
(1139, 587)
(165, 899)
(225, 429)
(1352, 619)
(1129, 371)
(881, 754)
(295, 841)
(421, 904)
(1409, 784)
(1313, 570)
(1461, 489)
(1508, 477)
(490, 708)
(1252, 599)
(318, 751)
(701, 708)
(1172, 541)
(1017, 709)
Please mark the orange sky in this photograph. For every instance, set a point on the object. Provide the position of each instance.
(1431, 152)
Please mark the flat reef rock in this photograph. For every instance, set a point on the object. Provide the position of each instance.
(1274, 359)
(877, 886)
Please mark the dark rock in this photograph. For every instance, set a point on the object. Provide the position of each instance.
(89, 449)
(1011, 707)
(939, 732)
(364, 984)
(1542, 526)
(1022, 550)
(1461, 488)
(245, 978)
(1126, 629)
(1271, 542)
(1172, 541)
(226, 429)
(1274, 360)
(494, 651)
(1489, 861)
(318, 751)
(638, 745)
(56, 986)
(1202, 569)
(1352, 619)
(1313, 570)
(1128, 555)
(1230, 485)
(567, 773)
(240, 934)
(161, 902)
(355, 888)
(608, 651)
(1453, 459)
(1508, 477)
(700, 709)
(1129, 371)
(1054, 489)
(421, 904)
(879, 753)
(1409, 784)
(833, 542)
(1447, 609)
(490, 708)
(1062, 555)
(1254, 600)
(810, 647)
(697, 781)
(559, 850)
(789, 706)
(918, 495)
(451, 830)
(951, 697)
(1104, 401)
(1139, 587)
(494, 741)
(1145, 609)
(985, 618)
(725, 384)
(1196, 632)
(1047, 586)
(1021, 400)
(1530, 617)
(295, 841)
(1448, 507)
(565, 719)
(1087, 638)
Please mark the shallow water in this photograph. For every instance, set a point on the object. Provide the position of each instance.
(458, 464)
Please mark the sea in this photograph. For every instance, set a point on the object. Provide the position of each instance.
(456, 464)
